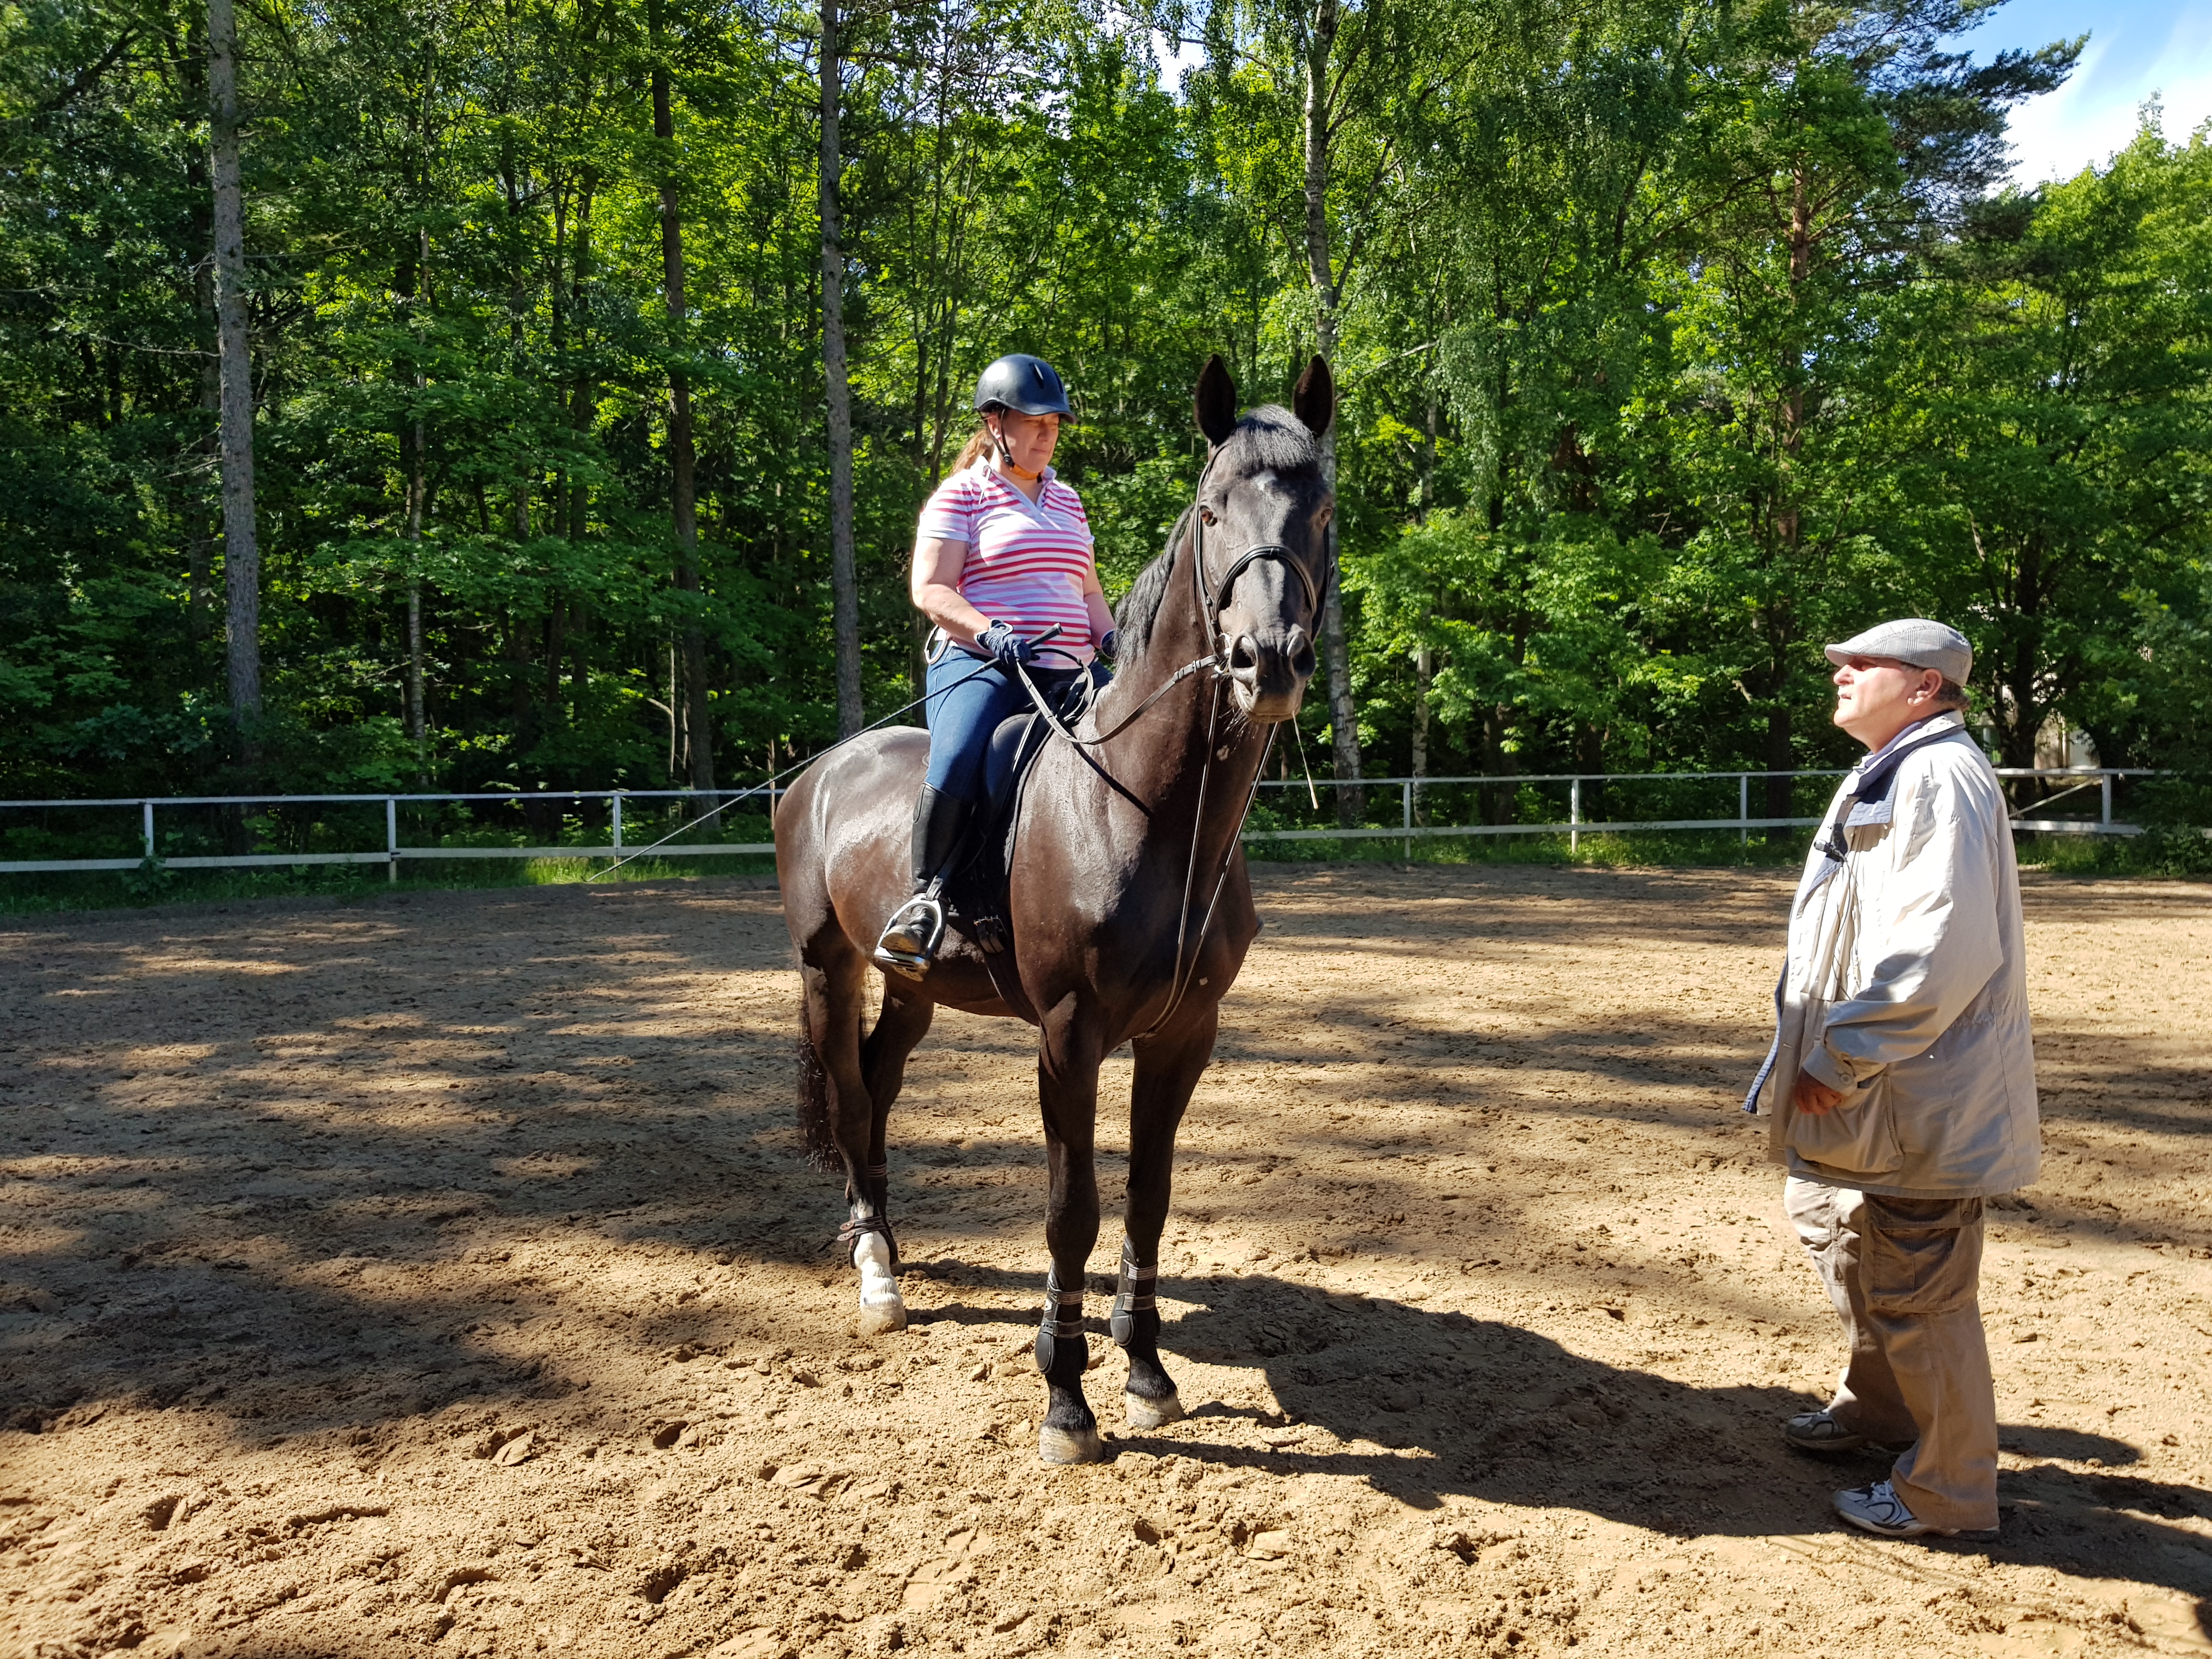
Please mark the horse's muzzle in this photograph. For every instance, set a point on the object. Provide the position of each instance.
(1269, 670)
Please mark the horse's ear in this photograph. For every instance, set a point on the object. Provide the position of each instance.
(1314, 400)
(1215, 401)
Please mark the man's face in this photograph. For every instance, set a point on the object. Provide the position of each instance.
(1877, 698)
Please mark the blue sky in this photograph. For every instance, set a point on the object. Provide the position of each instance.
(2136, 48)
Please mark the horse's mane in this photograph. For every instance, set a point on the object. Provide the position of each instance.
(1268, 440)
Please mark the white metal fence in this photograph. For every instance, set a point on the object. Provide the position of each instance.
(1414, 796)
(1575, 826)
(394, 851)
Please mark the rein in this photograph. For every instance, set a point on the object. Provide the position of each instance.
(1211, 604)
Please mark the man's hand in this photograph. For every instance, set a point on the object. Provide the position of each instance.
(1812, 1095)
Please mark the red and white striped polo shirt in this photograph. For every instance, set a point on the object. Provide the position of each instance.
(1027, 562)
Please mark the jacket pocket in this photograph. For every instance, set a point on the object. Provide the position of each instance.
(1857, 1138)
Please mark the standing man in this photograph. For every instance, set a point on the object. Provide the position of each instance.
(1901, 1082)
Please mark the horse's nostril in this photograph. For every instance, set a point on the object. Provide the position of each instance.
(1302, 661)
(1243, 659)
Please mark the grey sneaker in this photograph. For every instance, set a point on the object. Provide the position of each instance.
(1877, 1509)
(1819, 1431)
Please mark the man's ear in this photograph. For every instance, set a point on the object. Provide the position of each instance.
(1313, 402)
(1215, 401)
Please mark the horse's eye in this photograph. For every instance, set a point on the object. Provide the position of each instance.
(1206, 514)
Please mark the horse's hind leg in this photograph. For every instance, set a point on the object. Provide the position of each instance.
(902, 1023)
(1167, 1070)
(835, 991)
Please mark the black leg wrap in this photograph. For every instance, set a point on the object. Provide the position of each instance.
(1061, 1333)
(1134, 1297)
(853, 1230)
(875, 1187)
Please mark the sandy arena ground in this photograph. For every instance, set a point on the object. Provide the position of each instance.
(437, 1271)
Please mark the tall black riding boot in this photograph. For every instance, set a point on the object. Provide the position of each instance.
(910, 942)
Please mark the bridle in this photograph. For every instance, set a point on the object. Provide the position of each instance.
(1212, 602)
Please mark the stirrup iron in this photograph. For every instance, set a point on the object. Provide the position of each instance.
(910, 938)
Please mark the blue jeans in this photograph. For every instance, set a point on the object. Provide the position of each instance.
(962, 719)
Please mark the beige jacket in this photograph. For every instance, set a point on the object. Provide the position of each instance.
(1907, 985)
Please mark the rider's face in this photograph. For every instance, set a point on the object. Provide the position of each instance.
(1029, 439)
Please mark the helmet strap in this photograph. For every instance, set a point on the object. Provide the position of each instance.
(1006, 456)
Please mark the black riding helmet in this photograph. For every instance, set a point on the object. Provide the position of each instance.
(1026, 384)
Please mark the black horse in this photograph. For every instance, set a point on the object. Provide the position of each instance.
(1128, 898)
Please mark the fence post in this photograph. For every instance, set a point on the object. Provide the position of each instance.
(1743, 809)
(1575, 814)
(391, 838)
(149, 827)
(2107, 782)
(1406, 820)
(618, 822)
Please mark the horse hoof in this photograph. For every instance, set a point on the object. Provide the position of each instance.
(1152, 1413)
(1070, 1445)
(883, 1321)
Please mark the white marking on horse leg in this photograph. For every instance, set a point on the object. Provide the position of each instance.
(882, 1309)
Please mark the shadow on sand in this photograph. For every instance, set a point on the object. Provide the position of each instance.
(1424, 1404)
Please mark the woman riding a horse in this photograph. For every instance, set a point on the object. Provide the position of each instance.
(1003, 555)
(1126, 908)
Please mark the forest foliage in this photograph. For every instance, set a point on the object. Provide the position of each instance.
(1674, 342)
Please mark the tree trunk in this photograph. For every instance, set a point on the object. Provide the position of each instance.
(1499, 802)
(412, 284)
(844, 584)
(1779, 758)
(241, 546)
(414, 682)
(580, 390)
(1589, 756)
(418, 490)
(1343, 722)
(1424, 669)
(199, 538)
(199, 528)
(682, 461)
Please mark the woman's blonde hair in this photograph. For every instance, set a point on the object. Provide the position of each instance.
(978, 445)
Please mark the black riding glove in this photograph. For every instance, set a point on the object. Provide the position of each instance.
(1109, 647)
(1008, 647)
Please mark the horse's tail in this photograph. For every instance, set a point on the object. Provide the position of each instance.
(814, 1101)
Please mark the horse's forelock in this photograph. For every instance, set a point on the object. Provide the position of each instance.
(1270, 439)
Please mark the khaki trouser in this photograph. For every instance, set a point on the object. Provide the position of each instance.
(1904, 1273)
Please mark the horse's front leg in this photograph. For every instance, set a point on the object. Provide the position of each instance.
(1167, 1070)
(1068, 1055)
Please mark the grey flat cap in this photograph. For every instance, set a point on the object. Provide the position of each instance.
(1915, 642)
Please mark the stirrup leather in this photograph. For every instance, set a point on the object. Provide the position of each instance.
(911, 938)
